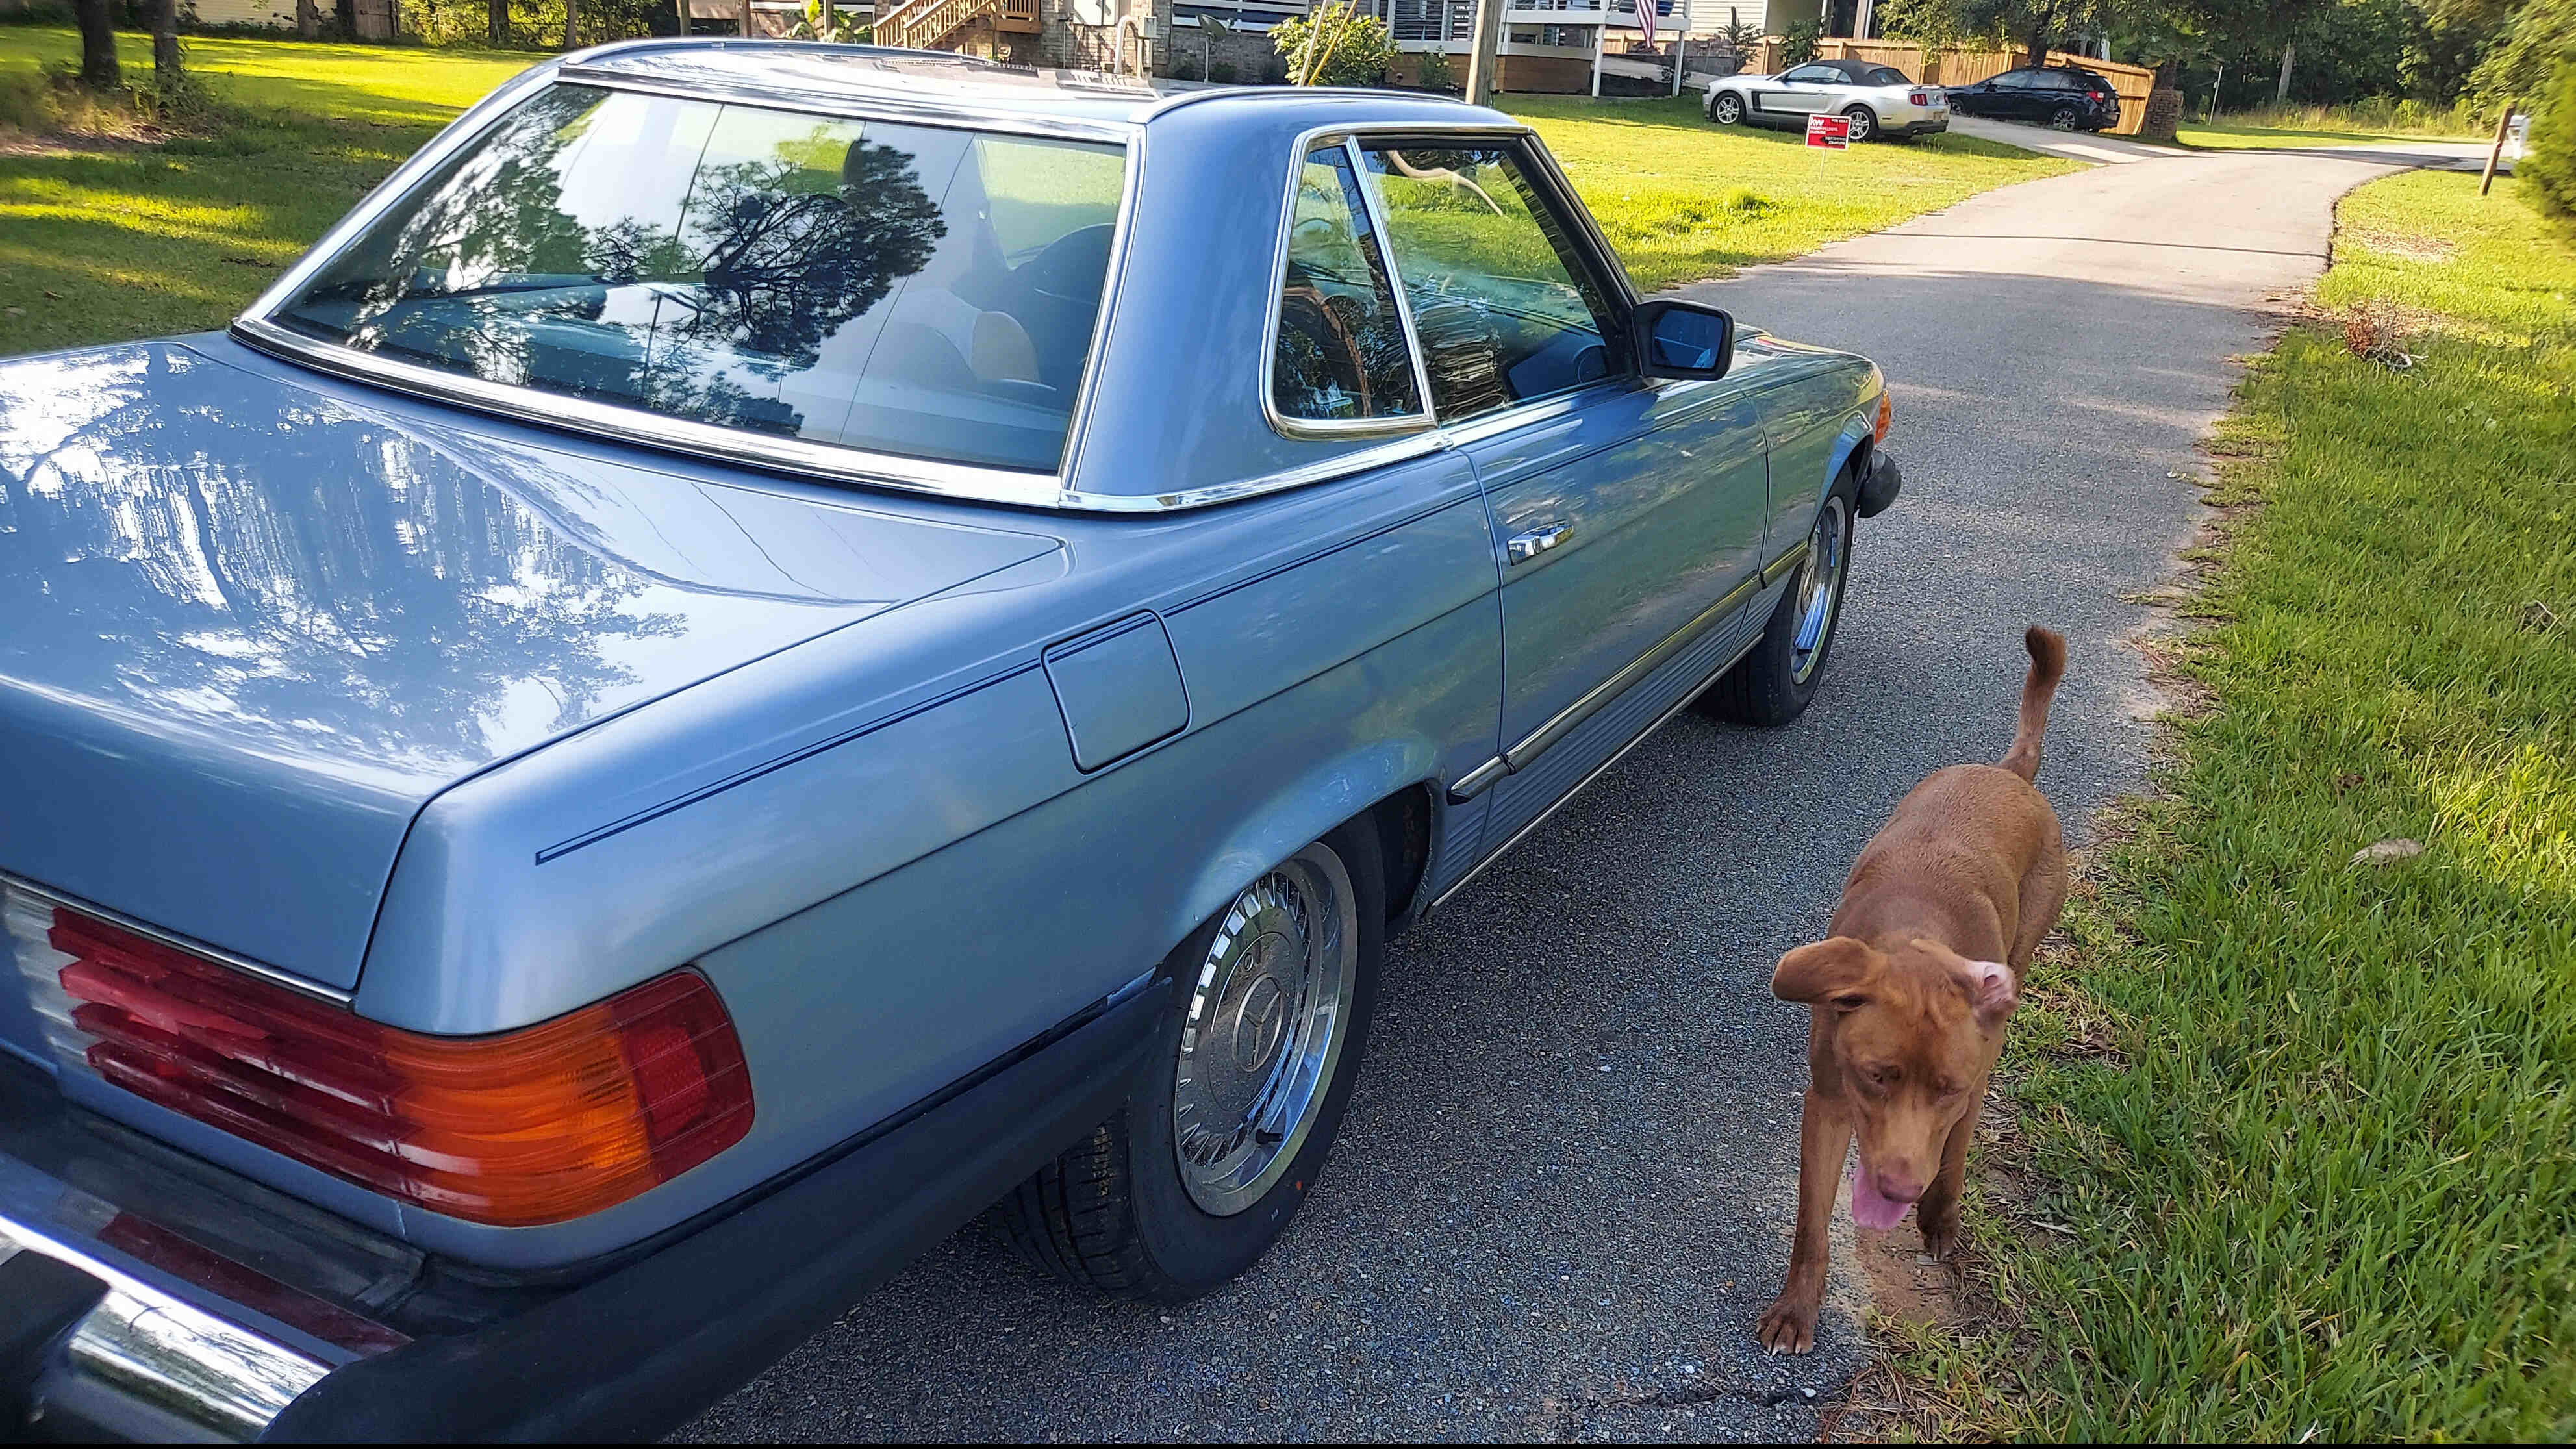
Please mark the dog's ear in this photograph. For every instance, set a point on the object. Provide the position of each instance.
(1990, 990)
(1836, 969)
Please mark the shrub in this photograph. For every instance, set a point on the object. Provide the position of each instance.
(1222, 72)
(2548, 166)
(1798, 42)
(1334, 46)
(1437, 73)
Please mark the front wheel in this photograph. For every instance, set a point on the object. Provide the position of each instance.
(1773, 684)
(1726, 108)
(1229, 1122)
(1864, 122)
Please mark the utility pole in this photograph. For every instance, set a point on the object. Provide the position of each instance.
(1480, 61)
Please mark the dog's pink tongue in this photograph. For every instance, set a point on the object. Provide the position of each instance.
(1871, 1208)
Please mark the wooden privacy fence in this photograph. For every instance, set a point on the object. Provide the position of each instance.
(1967, 67)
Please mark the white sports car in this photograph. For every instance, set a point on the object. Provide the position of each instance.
(1877, 99)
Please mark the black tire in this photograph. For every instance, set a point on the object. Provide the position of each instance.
(1113, 1213)
(1725, 108)
(2065, 120)
(1764, 687)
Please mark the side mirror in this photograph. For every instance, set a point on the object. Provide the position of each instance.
(1682, 339)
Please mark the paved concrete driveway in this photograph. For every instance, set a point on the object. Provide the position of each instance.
(1565, 1184)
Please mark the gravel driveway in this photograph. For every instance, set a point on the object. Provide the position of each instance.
(1566, 1181)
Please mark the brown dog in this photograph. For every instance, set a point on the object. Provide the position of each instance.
(1937, 924)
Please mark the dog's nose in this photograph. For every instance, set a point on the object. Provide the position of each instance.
(1896, 1187)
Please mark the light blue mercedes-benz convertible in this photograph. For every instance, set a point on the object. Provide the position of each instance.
(774, 646)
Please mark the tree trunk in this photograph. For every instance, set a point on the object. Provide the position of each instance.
(308, 20)
(499, 14)
(99, 70)
(2037, 48)
(165, 43)
(2289, 53)
(572, 24)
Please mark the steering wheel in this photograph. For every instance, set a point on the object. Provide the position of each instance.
(1305, 312)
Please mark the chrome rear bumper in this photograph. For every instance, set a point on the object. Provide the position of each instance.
(140, 1361)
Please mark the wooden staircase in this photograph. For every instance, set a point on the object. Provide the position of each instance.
(927, 24)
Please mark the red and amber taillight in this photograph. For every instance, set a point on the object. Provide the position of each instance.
(532, 1126)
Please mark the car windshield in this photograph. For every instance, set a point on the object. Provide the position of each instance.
(904, 289)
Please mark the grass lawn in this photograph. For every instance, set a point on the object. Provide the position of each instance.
(2302, 1132)
(2273, 128)
(109, 241)
(1682, 199)
(100, 242)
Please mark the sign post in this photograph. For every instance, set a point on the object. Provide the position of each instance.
(1830, 132)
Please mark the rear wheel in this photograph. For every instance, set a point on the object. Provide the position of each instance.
(2065, 119)
(1230, 1121)
(1726, 108)
(1773, 684)
(1864, 122)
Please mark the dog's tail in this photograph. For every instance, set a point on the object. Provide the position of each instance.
(2047, 665)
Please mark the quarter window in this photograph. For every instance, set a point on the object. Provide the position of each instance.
(1503, 303)
(1341, 354)
(906, 289)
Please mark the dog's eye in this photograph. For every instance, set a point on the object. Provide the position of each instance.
(1850, 1003)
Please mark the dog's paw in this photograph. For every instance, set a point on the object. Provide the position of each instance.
(1787, 1327)
(1941, 1235)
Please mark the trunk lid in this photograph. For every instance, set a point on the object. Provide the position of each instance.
(251, 621)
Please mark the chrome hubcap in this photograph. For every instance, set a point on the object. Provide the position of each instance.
(1728, 108)
(1820, 587)
(1860, 124)
(1267, 1014)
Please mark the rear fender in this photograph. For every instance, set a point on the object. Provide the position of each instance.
(1304, 810)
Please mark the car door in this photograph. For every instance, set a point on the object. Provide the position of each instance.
(2015, 97)
(1627, 513)
(1799, 91)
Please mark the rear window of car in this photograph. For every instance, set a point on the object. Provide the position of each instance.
(905, 289)
(1885, 75)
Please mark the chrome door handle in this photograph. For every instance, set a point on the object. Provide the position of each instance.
(1522, 547)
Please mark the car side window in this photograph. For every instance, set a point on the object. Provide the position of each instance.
(2014, 80)
(1814, 75)
(1504, 304)
(1341, 354)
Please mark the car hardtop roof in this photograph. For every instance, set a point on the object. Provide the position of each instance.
(785, 72)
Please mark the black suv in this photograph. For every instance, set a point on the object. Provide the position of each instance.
(2058, 95)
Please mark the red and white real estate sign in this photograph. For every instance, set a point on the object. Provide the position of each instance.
(1829, 131)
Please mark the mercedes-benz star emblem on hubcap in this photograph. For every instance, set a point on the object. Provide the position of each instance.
(1258, 1023)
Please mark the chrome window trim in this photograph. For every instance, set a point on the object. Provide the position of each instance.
(174, 940)
(1622, 292)
(1403, 447)
(1307, 144)
(618, 423)
(925, 112)
(834, 462)
(1394, 278)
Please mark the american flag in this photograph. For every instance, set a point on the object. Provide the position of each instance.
(1646, 19)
